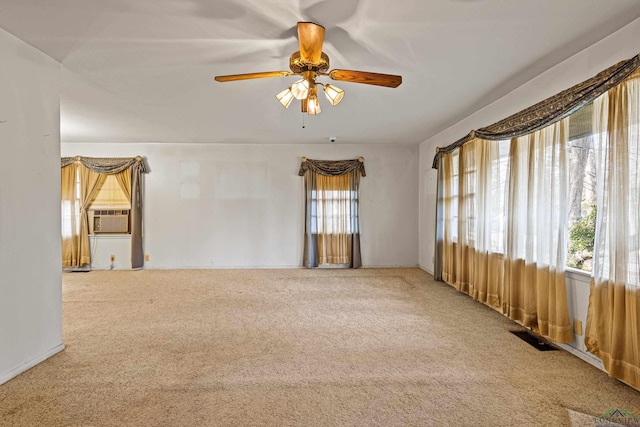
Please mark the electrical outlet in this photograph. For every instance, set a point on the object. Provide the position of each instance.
(146, 257)
(577, 327)
(113, 257)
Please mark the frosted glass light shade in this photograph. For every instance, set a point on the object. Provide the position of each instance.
(334, 94)
(285, 97)
(313, 107)
(300, 89)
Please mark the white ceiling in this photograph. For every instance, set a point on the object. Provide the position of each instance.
(142, 71)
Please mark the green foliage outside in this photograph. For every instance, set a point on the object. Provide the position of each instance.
(581, 239)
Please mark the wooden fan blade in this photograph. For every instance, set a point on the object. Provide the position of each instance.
(264, 75)
(311, 37)
(387, 80)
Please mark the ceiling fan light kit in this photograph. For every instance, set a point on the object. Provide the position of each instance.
(285, 97)
(334, 94)
(313, 106)
(300, 89)
(311, 62)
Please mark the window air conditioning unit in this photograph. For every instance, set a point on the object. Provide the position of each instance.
(111, 221)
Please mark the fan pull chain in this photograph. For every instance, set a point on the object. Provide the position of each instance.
(303, 125)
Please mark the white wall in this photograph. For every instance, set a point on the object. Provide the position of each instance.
(578, 299)
(241, 205)
(619, 46)
(30, 253)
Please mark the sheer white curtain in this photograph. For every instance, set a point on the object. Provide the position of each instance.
(489, 221)
(474, 215)
(333, 218)
(449, 184)
(613, 323)
(538, 202)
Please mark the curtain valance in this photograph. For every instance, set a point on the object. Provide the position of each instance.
(550, 110)
(332, 167)
(107, 166)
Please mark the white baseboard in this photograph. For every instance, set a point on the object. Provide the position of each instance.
(242, 267)
(219, 267)
(587, 357)
(30, 364)
(425, 269)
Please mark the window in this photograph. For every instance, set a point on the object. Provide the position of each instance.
(95, 198)
(467, 192)
(582, 190)
(338, 211)
(109, 209)
(500, 173)
(493, 189)
(71, 205)
(110, 196)
(451, 197)
(332, 209)
(582, 193)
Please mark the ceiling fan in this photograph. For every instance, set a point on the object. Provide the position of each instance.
(311, 62)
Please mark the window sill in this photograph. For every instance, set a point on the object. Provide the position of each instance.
(578, 275)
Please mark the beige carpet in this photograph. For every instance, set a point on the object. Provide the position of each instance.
(368, 347)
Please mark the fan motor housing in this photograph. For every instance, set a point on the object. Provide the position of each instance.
(298, 65)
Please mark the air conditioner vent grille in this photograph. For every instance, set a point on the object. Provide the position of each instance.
(103, 212)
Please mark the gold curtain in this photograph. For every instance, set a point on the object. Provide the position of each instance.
(90, 183)
(504, 232)
(333, 219)
(137, 251)
(488, 180)
(124, 179)
(473, 187)
(535, 281)
(70, 217)
(613, 318)
(529, 284)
